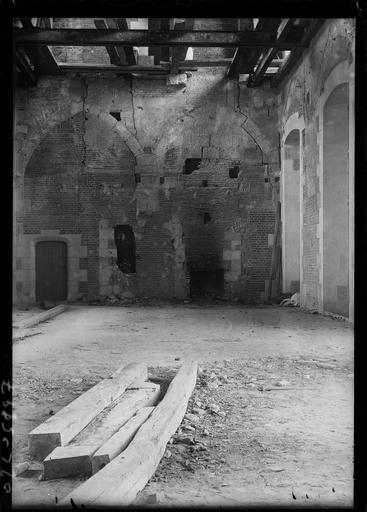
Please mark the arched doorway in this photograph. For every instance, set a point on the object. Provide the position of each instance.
(336, 201)
(291, 212)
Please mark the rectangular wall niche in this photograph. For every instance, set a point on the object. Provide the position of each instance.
(206, 284)
(125, 245)
(233, 171)
(191, 165)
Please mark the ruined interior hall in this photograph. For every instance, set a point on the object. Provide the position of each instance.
(193, 169)
(183, 261)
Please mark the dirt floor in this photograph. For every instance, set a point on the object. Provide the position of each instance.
(270, 421)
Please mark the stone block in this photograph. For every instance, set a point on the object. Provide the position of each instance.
(230, 276)
(235, 244)
(83, 251)
(236, 266)
(235, 255)
(105, 235)
(83, 274)
(258, 101)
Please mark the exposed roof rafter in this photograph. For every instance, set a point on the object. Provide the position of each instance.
(41, 56)
(195, 38)
(180, 52)
(116, 54)
(259, 44)
(313, 26)
(24, 67)
(287, 32)
(121, 24)
(245, 59)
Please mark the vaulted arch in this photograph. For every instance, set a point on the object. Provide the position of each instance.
(336, 219)
(82, 143)
(291, 203)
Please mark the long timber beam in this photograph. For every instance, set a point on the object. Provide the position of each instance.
(194, 38)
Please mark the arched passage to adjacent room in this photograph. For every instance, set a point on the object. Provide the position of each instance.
(291, 212)
(336, 201)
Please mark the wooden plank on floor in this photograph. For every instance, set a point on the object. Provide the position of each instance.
(76, 458)
(31, 322)
(120, 440)
(61, 428)
(66, 461)
(118, 483)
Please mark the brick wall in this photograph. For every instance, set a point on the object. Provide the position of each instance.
(90, 172)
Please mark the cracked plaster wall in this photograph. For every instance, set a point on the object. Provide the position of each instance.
(79, 170)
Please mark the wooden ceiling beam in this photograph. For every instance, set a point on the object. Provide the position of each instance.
(296, 54)
(155, 51)
(187, 65)
(287, 32)
(24, 67)
(194, 38)
(121, 24)
(220, 63)
(179, 53)
(108, 68)
(40, 56)
(165, 50)
(244, 58)
(45, 22)
(117, 55)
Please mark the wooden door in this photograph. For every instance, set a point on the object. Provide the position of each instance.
(51, 271)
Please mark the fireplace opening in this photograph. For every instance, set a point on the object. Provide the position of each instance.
(206, 284)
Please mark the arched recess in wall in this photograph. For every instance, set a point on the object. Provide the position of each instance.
(82, 142)
(67, 170)
(38, 133)
(336, 189)
(335, 202)
(174, 134)
(291, 204)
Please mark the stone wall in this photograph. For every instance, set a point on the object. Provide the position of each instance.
(327, 63)
(95, 152)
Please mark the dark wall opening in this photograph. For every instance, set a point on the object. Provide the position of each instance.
(125, 244)
(191, 165)
(206, 284)
(51, 270)
(233, 171)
